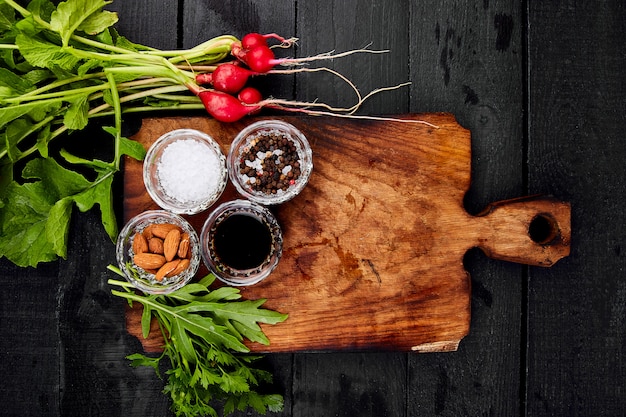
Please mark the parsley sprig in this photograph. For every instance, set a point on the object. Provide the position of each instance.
(204, 332)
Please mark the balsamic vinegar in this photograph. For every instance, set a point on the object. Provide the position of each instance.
(242, 241)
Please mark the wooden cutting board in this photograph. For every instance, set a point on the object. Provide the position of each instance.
(374, 245)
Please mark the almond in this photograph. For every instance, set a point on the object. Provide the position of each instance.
(149, 260)
(162, 229)
(166, 269)
(183, 246)
(140, 244)
(155, 245)
(147, 232)
(170, 244)
(182, 265)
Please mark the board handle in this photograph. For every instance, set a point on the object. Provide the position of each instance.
(533, 230)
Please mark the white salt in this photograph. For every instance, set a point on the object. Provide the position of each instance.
(189, 171)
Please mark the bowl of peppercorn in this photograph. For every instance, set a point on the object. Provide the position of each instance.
(270, 162)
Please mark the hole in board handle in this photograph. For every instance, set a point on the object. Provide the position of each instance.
(543, 229)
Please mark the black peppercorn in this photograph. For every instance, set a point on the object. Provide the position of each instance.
(278, 167)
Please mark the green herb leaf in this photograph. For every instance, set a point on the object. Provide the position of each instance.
(57, 225)
(44, 54)
(100, 192)
(10, 113)
(98, 22)
(132, 148)
(204, 367)
(71, 15)
(35, 217)
(23, 222)
(16, 83)
(138, 359)
(7, 18)
(146, 321)
(76, 115)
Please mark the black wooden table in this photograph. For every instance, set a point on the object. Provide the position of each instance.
(540, 85)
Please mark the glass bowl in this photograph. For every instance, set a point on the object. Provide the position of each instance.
(185, 171)
(130, 244)
(241, 242)
(270, 162)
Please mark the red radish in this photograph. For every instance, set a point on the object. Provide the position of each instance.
(224, 107)
(250, 95)
(252, 40)
(229, 78)
(261, 59)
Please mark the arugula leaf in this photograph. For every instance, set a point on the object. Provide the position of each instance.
(198, 325)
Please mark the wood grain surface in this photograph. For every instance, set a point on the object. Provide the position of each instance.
(540, 85)
(373, 246)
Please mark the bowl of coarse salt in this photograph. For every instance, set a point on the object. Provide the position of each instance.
(185, 171)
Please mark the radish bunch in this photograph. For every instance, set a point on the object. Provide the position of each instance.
(230, 98)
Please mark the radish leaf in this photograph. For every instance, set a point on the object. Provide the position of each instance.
(71, 15)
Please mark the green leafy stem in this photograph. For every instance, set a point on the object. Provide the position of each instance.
(61, 66)
(204, 330)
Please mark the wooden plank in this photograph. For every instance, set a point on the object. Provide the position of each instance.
(325, 26)
(29, 342)
(467, 58)
(342, 25)
(94, 375)
(332, 25)
(94, 342)
(577, 319)
(350, 384)
(148, 22)
(204, 20)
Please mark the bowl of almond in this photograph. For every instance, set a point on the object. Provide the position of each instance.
(158, 251)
